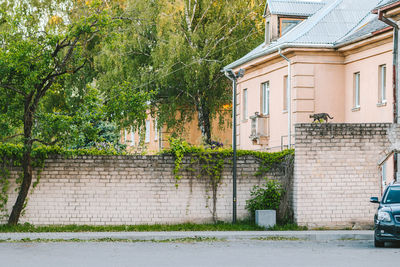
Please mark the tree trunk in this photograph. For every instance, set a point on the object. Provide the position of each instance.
(26, 164)
(203, 116)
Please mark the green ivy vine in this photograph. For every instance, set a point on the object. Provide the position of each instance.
(11, 156)
(210, 162)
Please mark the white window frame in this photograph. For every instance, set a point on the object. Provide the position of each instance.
(285, 93)
(245, 106)
(132, 137)
(357, 89)
(265, 97)
(147, 132)
(382, 84)
(125, 136)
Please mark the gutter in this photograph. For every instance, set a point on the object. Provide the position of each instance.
(384, 8)
(395, 26)
(273, 50)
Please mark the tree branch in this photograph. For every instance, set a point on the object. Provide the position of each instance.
(11, 137)
(45, 143)
(12, 88)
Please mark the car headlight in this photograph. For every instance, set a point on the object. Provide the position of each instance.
(384, 216)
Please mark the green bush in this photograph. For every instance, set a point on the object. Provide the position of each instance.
(265, 197)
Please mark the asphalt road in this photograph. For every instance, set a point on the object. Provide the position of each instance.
(225, 253)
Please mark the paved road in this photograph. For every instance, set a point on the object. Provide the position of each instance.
(227, 253)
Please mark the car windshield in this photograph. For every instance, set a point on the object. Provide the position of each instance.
(393, 195)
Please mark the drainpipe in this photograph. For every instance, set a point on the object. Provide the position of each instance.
(288, 98)
(392, 23)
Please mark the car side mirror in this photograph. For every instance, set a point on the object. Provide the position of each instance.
(374, 200)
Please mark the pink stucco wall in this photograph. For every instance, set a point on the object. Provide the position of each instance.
(322, 81)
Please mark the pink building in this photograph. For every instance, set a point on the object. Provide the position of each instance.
(340, 57)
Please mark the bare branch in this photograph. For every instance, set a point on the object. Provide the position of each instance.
(203, 16)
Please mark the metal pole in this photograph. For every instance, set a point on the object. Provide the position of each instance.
(233, 77)
(234, 152)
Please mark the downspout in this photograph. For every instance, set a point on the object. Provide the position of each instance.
(392, 23)
(288, 98)
(395, 61)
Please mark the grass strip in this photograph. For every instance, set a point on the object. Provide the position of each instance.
(277, 238)
(219, 226)
(108, 239)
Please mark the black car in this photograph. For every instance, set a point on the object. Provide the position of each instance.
(387, 217)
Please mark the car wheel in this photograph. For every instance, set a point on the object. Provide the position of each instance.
(379, 244)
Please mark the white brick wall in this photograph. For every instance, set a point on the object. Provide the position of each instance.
(100, 190)
(336, 172)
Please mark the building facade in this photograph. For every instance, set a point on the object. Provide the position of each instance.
(340, 63)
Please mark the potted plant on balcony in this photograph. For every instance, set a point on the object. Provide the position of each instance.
(264, 202)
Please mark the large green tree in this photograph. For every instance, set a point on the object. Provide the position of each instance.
(42, 57)
(196, 39)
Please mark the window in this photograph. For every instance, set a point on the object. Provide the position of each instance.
(147, 135)
(356, 84)
(382, 84)
(285, 93)
(245, 104)
(155, 130)
(132, 137)
(286, 24)
(125, 136)
(265, 98)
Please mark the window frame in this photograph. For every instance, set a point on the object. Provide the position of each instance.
(265, 98)
(147, 132)
(356, 90)
(245, 110)
(285, 93)
(155, 130)
(132, 137)
(382, 84)
(287, 19)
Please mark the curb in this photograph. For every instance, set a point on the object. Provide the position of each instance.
(148, 236)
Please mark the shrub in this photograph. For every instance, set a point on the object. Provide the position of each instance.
(265, 197)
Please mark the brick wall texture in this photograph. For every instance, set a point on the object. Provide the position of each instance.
(115, 190)
(336, 172)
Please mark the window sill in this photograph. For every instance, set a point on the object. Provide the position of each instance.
(284, 111)
(355, 109)
(381, 104)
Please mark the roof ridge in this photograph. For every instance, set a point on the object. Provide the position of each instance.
(317, 17)
(268, 3)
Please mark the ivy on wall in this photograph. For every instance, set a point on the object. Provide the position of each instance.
(11, 156)
(209, 162)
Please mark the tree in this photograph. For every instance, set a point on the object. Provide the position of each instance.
(36, 57)
(196, 39)
(124, 65)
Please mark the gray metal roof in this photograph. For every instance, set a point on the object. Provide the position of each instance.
(386, 3)
(334, 22)
(293, 7)
(372, 24)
